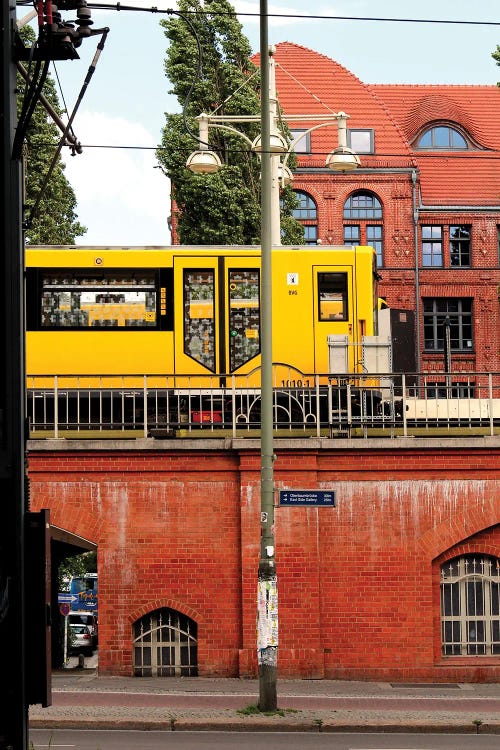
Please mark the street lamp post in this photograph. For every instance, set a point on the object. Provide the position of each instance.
(267, 585)
(207, 161)
(270, 145)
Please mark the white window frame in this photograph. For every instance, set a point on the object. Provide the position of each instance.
(470, 606)
(352, 134)
(301, 141)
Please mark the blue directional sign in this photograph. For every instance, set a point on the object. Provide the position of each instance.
(307, 497)
(63, 597)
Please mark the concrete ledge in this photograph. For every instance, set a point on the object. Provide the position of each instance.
(262, 724)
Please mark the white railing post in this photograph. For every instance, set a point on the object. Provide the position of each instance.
(403, 405)
(318, 414)
(145, 405)
(233, 404)
(56, 408)
(490, 399)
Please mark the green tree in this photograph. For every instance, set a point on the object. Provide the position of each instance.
(496, 56)
(220, 208)
(55, 222)
(86, 562)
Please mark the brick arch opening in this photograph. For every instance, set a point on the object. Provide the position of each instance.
(165, 602)
(453, 531)
(165, 644)
(485, 542)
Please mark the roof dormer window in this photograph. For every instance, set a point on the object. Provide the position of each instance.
(442, 137)
(361, 140)
(301, 141)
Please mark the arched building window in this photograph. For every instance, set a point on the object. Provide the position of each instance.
(442, 137)
(470, 613)
(165, 645)
(361, 210)
(307, 213)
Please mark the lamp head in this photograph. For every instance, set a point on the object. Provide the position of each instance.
(203, 162)
(342, 159)
(277, 144)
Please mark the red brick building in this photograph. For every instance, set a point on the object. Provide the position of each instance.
(427, 196)
(399, 581)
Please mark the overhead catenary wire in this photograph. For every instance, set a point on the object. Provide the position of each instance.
(119, 7)
(373, 159)
(184, 15)
(466, 154)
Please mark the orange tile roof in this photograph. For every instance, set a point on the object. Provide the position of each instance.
(311, 83)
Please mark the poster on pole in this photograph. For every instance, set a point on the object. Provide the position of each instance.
(267, 614)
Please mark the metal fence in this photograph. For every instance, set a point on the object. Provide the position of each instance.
(350, 406)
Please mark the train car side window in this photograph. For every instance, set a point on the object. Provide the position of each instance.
(332, 296)
(199, 316)
(244, 316)
(82, 299)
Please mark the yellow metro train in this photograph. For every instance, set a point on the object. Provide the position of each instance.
(192, 310)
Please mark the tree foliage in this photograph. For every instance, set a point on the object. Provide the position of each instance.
(55, 222)
(223, 207)
(496, 56)
(86, 562)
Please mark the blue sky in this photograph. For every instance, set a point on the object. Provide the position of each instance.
(124, 200)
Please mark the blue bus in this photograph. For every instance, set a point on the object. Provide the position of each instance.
(83, 592)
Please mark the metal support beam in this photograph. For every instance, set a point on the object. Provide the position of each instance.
(13, 727)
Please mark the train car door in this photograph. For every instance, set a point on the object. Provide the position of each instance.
(217, 314)
(334, 311)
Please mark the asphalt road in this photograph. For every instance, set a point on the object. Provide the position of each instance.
(57, 739)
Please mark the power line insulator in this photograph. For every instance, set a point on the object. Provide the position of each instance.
(84, 20)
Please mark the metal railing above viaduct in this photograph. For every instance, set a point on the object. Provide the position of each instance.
(352, 406)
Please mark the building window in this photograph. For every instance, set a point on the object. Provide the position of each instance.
(460, 246)
(458, 312)
(374, 238)
(165, 645)
(352, 234)
(307, 211)
(301, 141)
(459, 389)
(311, 234)
(362, 205)
(432, 246)
(442, 137)
(361, 141)
(470, 611)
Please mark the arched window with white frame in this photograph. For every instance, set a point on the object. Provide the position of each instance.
(470, 606)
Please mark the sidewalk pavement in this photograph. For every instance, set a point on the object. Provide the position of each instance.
(82, 699)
